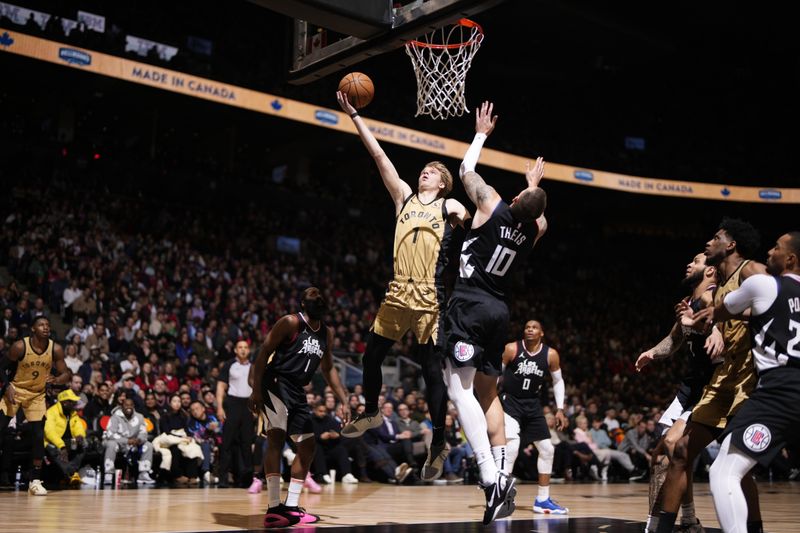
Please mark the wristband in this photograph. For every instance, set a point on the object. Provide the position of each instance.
(354, 115)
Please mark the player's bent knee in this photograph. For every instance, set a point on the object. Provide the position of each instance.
(547, 452)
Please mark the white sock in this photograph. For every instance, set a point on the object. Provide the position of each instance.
(500, 459)
(544, 493)
(687, 512)
(487, 466)
(295, 488)
(273, 490)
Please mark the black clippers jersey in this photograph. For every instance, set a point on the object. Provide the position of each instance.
(700, 364)
(776, 333)
(491, 253)
(524, 375)
(297, 359)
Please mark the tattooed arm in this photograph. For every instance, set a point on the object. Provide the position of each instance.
(668, 346)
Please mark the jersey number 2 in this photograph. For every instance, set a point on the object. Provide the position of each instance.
(791, 346)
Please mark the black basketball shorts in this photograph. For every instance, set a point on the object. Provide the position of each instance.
(770, 418)
(285, 406)
(476, 332)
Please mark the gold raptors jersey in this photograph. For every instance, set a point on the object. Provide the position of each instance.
(735, 332)
(33, 368)
(418, 238)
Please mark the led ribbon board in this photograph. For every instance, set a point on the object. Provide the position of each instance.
(178, 82)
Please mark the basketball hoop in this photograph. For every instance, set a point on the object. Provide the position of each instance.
(441, 63)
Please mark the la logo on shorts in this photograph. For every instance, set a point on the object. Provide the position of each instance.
(463, 351)
(757, 437)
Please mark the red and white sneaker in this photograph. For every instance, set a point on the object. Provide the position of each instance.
(281, 516)
(305, 518)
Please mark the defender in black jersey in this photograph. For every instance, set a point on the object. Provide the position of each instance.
(703, 350)
(770, 418)
(293, 350)
(499, 240)
(525, 363)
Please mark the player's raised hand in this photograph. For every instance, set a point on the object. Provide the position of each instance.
(644, 359)
(534, 172)
(344, 103)
(484, 121)
(561, 421)
(682, 308)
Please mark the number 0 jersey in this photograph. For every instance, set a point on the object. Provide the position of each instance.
(524, 375)
(491, 253)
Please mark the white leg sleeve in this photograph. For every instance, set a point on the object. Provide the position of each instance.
(546, 454)
(726, 476)
(459, 388)
(512, 441)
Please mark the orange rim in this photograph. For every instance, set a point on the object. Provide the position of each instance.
(461, 22)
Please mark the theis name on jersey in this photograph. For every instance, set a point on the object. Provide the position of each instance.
(526, 368)
(512, 234)
(311, 346)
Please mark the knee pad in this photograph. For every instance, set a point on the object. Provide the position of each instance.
(546, 454)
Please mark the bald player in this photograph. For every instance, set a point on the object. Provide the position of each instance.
(427, 230)
(28, 365)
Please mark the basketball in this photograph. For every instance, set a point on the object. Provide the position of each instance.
(358, 88)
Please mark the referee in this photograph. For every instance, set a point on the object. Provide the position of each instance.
(238, 431)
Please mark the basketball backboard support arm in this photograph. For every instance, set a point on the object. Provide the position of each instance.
(408, 23)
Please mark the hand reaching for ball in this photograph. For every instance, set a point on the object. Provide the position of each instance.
(344, 103)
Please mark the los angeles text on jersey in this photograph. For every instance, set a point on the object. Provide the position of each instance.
(311, 346)
(526, 368)
(512, 234)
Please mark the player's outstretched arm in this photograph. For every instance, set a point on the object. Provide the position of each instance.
(331, 376)
(559, 389)
(398, 189)
(668, 346)
(284, 328)
(482, 195)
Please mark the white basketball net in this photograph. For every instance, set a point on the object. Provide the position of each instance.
(441, 60)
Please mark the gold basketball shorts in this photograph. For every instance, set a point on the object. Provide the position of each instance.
(31, 403)
(408, 307)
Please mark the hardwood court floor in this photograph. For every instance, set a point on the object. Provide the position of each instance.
(196, 510)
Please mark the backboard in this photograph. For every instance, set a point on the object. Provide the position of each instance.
(330, 35)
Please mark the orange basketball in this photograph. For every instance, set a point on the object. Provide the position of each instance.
(358, 88)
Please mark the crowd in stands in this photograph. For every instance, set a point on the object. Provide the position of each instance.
(149, 316)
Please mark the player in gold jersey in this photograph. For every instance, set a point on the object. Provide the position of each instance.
(732, 380)
(30, 362)
(415, 300)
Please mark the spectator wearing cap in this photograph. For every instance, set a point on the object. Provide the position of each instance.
(98, 340)
(126, 433)
(128, 384)
(64, 435)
